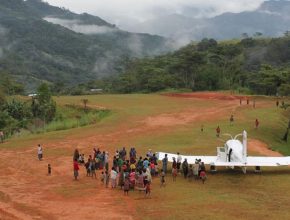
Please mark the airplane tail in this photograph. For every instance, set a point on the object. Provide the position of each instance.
(245, 146)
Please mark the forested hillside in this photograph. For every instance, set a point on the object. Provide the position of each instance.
(34, 48)
(260, 66)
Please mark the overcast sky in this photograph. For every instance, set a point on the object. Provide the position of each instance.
(122, 11)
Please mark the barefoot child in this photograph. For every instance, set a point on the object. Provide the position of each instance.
(126, 186)
(147, 189)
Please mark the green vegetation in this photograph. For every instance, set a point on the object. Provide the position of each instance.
(41, 113)
(34, 50)
(69, 117)
(260, 66)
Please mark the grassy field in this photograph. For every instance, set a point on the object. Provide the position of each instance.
(155, 121)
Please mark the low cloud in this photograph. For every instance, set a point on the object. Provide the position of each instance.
(121, 12)
(76, 26)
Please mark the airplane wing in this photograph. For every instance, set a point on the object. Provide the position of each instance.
(210, 160)
(268, 161)
(214, 160)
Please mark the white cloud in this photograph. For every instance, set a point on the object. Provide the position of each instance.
(76, 26)
(121, 12)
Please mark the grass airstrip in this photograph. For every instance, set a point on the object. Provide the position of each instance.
(161, 123)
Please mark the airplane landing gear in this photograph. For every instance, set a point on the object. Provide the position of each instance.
(258, 169)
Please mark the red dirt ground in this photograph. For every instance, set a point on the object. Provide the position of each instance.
(26, 192)
(207, 95)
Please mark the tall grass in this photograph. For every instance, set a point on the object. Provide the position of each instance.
(71, 116)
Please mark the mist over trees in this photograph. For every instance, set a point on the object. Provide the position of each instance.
(255, 65)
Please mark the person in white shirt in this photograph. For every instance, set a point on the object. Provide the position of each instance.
(113, 177)
(179, 159)
(39, 152)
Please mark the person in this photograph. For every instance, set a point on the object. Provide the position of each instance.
(132, 177)
(185, 168)
(203, 176)
(162, 178)
(146, 163)
(164, 164)
(240, 101)
(126, 186)
(218, 131)
(107, 178)
(201, 128)
(1, 136)
(103, 177)
(87, 165)
(39, 152)
(248, 101)
(76, 169)
(113, 177)
(257, 123)
(152, 168)
(190, 173)
(202, 166)
(106, 160)
(147, 189)
(231, 120)
(93, 168)
(149, 153)
(174, 169)
(76, 155)
(179, 159)
(49, 169)
(195, 169)
(277, 103)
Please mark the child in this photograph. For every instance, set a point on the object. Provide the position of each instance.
(126, 186)
(147, 189)
(162, 178)
(49, 169)
(203, 176)
(103, 177)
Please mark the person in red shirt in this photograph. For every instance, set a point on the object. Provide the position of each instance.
(76, 169)
(218, 131)
(257, 123)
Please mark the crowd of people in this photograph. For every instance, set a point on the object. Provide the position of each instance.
(130, 172)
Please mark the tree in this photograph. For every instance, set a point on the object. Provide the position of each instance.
(42, 105)
(2, 98)
(285, 137)
(245, 35)
(258, 34)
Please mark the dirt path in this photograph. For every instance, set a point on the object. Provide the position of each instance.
(261, 148)
(26, 192)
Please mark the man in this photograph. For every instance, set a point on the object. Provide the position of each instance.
(185, 168)
(179, 159)
(39, 152)
(164, 164)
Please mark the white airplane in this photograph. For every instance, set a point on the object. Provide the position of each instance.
(233, 154)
